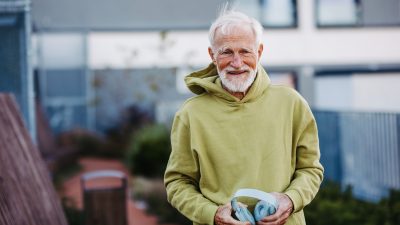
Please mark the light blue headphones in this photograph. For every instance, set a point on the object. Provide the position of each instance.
(265, 207)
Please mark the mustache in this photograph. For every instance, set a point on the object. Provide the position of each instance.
(241, 69)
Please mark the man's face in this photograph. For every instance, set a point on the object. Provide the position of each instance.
(236, 56)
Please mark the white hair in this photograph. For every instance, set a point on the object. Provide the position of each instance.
(230, 19)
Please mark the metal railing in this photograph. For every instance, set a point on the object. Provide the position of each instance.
(361, 149)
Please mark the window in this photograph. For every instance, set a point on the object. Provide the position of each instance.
(358, 13)
(62, 79)
(271, 13)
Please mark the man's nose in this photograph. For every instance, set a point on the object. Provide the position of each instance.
(237, 61)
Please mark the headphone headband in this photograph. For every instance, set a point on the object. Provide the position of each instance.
(254, 193)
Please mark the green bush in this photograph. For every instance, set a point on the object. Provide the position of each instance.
(86, 142)
(153, 193)
(73, 215)
(334, 206)
(148, 151)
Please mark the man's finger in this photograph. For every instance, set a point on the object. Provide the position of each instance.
(274, 217)
(271, 218)
(280, 217)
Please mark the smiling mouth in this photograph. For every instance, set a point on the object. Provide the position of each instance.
(236, 72)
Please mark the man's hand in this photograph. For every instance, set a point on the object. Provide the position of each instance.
(223, 216)
(285, 208)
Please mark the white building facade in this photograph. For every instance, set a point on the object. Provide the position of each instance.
(343, 56)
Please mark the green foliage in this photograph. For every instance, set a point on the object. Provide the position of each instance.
(334, 206)
(152, 191)
(65, 173)
(73, 215)
(149, 150)
(159, 206)
(115, 139)
(87, 143)
(392, 206)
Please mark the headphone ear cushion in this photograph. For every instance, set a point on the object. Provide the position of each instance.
(242, 213)
(263, 209)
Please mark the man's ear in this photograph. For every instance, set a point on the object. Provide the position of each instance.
(260, 50)
(211, 53)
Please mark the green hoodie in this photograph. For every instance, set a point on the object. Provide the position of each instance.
(267, 141)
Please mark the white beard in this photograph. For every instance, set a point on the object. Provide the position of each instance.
(237, 83)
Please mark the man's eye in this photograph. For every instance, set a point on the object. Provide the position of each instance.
(226, 52)
(245, 52)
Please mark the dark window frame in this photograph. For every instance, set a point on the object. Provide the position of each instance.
(359, 23)
(294, 15)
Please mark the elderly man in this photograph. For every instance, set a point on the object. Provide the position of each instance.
(240, 131)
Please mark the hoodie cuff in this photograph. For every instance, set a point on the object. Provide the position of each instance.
(209, 213)
(296, 200)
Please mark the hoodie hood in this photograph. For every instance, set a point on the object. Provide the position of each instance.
(207, 80)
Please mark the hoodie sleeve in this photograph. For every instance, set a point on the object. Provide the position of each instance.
(308, 172)
(182, 178)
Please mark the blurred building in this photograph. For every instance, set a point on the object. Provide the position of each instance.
(15, 66)
(95, 58)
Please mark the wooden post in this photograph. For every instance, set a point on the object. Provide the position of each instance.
(27, 195)
(105, 205)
